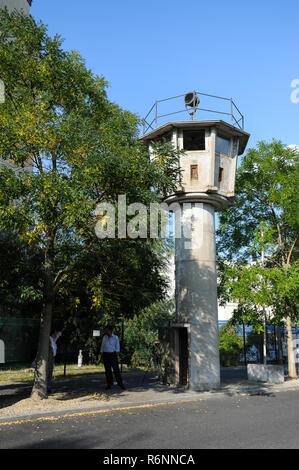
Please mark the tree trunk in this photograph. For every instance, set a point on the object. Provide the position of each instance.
(291, 362)
(39, 389)
(264, 337)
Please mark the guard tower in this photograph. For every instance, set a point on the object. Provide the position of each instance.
(207, 185)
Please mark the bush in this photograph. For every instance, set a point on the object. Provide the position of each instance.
(230, 346)
(136, 359)
(141, 331)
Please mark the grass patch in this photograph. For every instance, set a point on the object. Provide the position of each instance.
(25, 373)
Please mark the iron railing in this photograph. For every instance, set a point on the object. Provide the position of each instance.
(231, 111)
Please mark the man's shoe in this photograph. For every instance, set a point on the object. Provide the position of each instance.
(122, 386)
(108, 387)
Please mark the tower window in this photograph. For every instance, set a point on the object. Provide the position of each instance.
(194, 172)
(222, 145)
(194, 140)
(221, 174)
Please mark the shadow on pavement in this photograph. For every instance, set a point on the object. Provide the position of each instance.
(233, 381)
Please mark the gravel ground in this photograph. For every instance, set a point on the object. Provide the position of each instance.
(55, 402)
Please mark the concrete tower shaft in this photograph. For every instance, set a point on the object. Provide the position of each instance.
(196, 293)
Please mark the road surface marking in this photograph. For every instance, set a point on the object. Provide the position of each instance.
(133, 407)
(102, 411)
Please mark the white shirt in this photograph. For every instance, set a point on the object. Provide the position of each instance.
(110, 344)
(53, 343)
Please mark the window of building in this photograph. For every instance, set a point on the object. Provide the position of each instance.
(194, 172)
(222, 145)
(221, 175)
(194, 140)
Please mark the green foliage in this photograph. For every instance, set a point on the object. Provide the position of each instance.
(138, 360)
(66, 149)
(142, 330)
(230, 346)
(265, 213)
(265, 220)
(83, 150)
(20, 276)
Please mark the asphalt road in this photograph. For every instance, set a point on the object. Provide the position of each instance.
(237, 422)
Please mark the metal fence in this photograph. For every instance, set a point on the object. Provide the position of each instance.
(20, 336)
(220, 106)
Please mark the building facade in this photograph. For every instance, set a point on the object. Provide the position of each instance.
(16, 4)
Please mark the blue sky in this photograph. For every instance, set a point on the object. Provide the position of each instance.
(247, 50)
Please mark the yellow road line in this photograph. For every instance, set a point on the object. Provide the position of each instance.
(102, 411)
(126, 408)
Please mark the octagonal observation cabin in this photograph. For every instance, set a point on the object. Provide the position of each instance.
(211, 147)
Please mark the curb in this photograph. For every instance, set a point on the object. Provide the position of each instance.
(182, 398)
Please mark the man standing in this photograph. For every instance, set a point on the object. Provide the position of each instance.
(109, 352)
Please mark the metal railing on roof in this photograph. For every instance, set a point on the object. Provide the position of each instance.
(230, 111)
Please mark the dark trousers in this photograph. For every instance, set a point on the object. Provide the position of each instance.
(111, 362)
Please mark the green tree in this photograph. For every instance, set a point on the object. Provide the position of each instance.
(72, 149)
(20, 274)
(258, 237)
(141, 331)
(230, 345)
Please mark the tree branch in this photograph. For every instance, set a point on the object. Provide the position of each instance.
(291, 250)
(38, 162)
(278, 230)
(60, 276)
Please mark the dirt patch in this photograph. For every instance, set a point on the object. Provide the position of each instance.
(55, 402)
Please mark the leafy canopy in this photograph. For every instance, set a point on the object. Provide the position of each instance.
(66, 148)
(257, 237)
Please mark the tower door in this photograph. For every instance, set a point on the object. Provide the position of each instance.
(183, 356)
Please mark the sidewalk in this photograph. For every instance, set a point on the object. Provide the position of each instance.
(87, 393)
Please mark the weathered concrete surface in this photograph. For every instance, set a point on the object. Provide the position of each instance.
(265, 373)
(196, 287)
(18, 4)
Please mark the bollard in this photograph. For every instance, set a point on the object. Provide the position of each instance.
(80, 358)
(2, 352)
